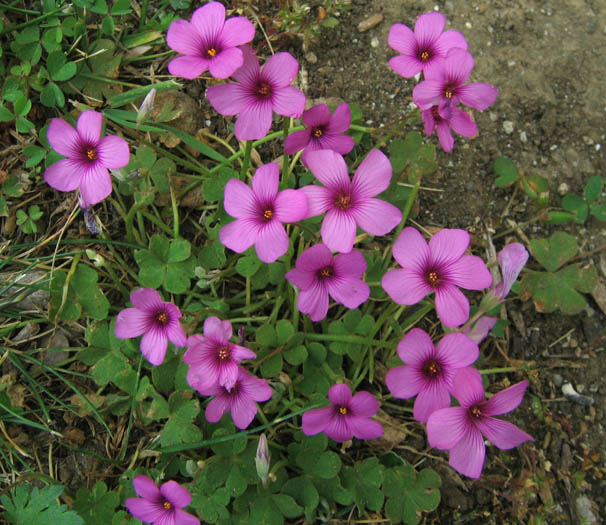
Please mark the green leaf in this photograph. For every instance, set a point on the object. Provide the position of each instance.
(265, 511)
(229, 448)
(365, 479)
(325, 466)
(555, 251)
(28, 35)
(179, 250)
(593, 188)
(576, 205)
(266, 336)
(22, 106)
(284, 331)
(179, 427)
(536, 187)
(214, 187)
(304, 492)
(6, 115)
(599, 211)
(412, 155)
(296, 355)
(248, 265)
(24, 125)
(272, 367)
(507, 172)
(107, 26)
(121, 7)
(287, 505)
(35, 155)
(97, 507)
(51, 96)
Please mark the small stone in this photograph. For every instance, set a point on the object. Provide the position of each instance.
(311, 57)
(585, 509)
(374, 42)
(557, 380)
(493, 116)
(370, 22)
(563, 188)
(508, 127)
(523, 137)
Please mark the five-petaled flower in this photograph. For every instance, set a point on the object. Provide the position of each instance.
(350, 203)
(439, 267)
(160, 506)
(156, 320)
(429, 370)
(260, 212)
(212, 359)
(459, 121)
(257, 92)
(208, 42)
(346, 417)
(318, 274)
(420, 49)
(240, 399)
(88, 157)
(460, 429)
(322, 131)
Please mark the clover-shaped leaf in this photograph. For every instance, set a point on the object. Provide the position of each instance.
(96, 506)
(552, 253)
(179, 427)
(365, 479)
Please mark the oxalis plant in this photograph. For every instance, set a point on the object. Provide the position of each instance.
(237, 344)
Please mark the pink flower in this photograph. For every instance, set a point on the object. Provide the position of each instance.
(350, 203)
(88, 157)
(212, 358)
(481, 328)
(346, 417)
(322, 131)
(318, 274)
(257, 93)
(438, 267)
(512, 259)
(208, 42)
(459, 121)
(444, 85)
(240, 399)
(429, 370)
(460, 429)
(421, 49)
(156, 320)
(161, 506)
(260, 212)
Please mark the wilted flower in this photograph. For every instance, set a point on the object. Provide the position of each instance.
(350, 203)
(346, 417)
(260, 212)
(318, 274)
(421, 49)
(459, 121)
(257, 93)
(429, 370)
(160, 506)
(439, 267)
(208, 42)
(322, 131)
(240, 399)
(88, 157)
(156, 320)
(481, 328)
(212, 359)
(461, 429)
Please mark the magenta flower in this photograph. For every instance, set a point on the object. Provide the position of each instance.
(161, 506)
(322, 131)
(258, 92)
(429, 370)
(438, 267)
(350, 203)
(88, 157)
(156, 320)
(460, 429)
(459, 121)
(212, 359)
(512, 259)
(260, 212)
(421, 49)
(444, 85)
(240, 399)
(208, 42)
(346, 417)
(318, 274)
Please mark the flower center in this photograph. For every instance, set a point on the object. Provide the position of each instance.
(431, 368)
(475, 412)
(424, 56)
(263, 89)
(162, 318)
(167, 505)
(268, 213)
(436, 113)
(343, 202)
(343, 410)
(224, 353)
(317, 132)
(326, 272)
(212, 52)
(433, 279)
(448, 92)
(91, 153)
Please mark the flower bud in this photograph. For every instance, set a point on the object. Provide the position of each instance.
(146, 106)
(262, 460)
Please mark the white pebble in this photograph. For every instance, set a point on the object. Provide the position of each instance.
(523, 137)
(508, 127)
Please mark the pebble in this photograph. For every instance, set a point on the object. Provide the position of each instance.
(370, 22)
(563, 188)
(508, 127)
(557, 380)
(311, 57)
(585, 508)
(374, 42)
(523, 137)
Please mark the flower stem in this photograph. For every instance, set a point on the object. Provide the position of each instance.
(285, 156)
(173, 202)
(348, 339)
(405, 213)
(246, 161)
(499, 370)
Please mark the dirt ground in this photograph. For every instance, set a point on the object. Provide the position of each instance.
(548, 61)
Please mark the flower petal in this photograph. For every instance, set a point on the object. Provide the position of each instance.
(318, 115)
(467, 387)
(290, 206)
(226, 62)
(458, 65)
(239, 235)
(190, 67)
(404, 286)
(433, 397)
(248, 73)
(288, 101)
(338, 429)
(340, 120)
(240, 353)
(341, 144)
(254, 121)
(506, 400)
(314, 421)
(462, 124)
(243, 411)
(339, 395)
(404, 382)
(175, 333)
(349, 292)
(467, 456)
(237, 31)
(448, 245)
(208, 20)
(175, 494)
(502, 434)
(217, 330)
(257, 389)
(265, 182)
(406, 66)
(146, 299)
(216, 408)
(457, 350)
(318, 199)
(372, 176)
(153, 345)
(411, 249)
(95, 184)
(272, 241)
(227, 99)
(478, 95)
(451, 305)
(280, 70)
(470, 272)
(427, 93)
(146, 488)
(350, 264)
(448, 40)
(185, 518)
(144, 510)
(132, 322)
(444, 136)
(402, 39)
(364, 428)
(429, 27)
(64, 175)
(314, 258)
(329, 168)
(446, 427)
(239, 200)
(63, 138)
(363, 404)
(296, 141)
(183, 38)
(376, 216)
(416, 347)
(113, 152)
(338, 230)
(301, 279)
(89, 126)
(314, 301)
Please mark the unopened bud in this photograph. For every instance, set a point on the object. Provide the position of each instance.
(262, 460)
(98, 260)
(146, 106)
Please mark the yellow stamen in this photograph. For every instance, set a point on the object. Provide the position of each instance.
(268, 214)
(327, 271)
(211, 52)
(167, 505)
(433, 279)
(162, 317)
(343, 202)
(318, 133)
(424, 56)
(448, 93)
(91, 153)
(224, 352)
(343, 410)
(475, 411)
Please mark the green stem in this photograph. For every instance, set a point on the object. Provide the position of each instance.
(348, 339)
(173, 202)
(143, 18)
(246, 161)
(499, 370)
(285, 156)
(147, 57)
(31, 22)
(405, 213)
(132, 410)
(361, 128)
(152, 218)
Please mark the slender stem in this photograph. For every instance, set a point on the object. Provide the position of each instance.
(348, 339)
(151, 217)
(285, 156)
(143, 18)
(246, 161)
(31, 22)
(405, 213)
(499, 370)
(173, 202)
(147, 57)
